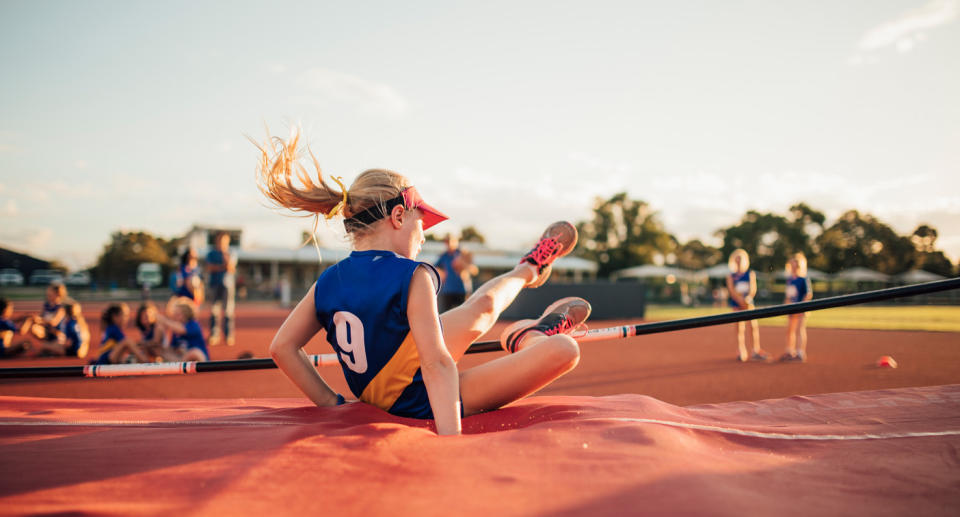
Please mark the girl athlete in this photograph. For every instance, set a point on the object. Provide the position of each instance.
(10, 329)
(153, 333)
(76, 335)
(379, 305)
(46, 327)
(798, 289)
(188, 284)
(742, 287)
(115, 347)
(187, 337)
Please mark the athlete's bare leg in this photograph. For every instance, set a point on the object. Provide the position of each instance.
(741, 344)
(465, 324)
(540, 361)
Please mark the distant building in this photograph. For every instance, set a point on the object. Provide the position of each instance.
(261, 271)
(22, 262)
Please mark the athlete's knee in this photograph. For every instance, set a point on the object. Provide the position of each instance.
(564, 350)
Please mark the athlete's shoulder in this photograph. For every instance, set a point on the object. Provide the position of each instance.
(431, 272)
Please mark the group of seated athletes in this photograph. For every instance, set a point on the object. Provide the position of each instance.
(60, 330)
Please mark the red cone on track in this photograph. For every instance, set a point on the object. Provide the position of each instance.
(886, 362)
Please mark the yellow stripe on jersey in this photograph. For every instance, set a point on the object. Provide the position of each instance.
(107, 346)
(386, 387)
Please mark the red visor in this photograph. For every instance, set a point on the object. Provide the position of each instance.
(431, 216)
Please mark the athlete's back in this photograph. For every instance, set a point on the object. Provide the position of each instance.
(362, 304)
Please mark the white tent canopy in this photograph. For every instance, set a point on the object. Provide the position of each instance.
(812, 274)
(917, 276)
(718, 271)
(862, 274)
(649, 271)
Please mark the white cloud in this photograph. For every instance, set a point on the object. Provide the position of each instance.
(10, 208)
(905, 32)
(910, 23)
(32, 240)
(325, 87)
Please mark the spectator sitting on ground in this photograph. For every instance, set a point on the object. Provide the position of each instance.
(46, 326)
(155, 339)
(76, 335)
(187, 336)
(115, 348)
(9, 329)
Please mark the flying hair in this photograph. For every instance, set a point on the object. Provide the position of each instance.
(283, 179)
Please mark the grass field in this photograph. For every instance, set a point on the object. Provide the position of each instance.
(913, 317)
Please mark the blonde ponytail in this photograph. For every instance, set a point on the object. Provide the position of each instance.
(280, 163)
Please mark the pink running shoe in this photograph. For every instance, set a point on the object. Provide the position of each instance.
(561, 317)
(557, 240)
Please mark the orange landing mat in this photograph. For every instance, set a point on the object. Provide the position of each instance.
(891, 452)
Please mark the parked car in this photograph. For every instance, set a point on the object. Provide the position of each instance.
(149, 274)
(10, 276)
(45, 276)
(78, 278)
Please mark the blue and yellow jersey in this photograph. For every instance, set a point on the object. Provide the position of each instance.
(192, 338)
(50, 310)
(741, 284)
(184, 284)
(112, 336)
(148, 332)
(361, 301)
(797, 288)
(74, 338)
(6, 326)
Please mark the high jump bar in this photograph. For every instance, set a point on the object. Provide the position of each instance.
(124, 370)
(751, 314)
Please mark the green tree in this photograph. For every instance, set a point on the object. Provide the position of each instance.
(856, 240)
(623, 232)
(468, 234)
(126, 250)
(471, 234)
(770, 238)
(924, 240)
(697, 255)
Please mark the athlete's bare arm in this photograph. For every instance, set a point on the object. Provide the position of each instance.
(439, 370)
(287, 351)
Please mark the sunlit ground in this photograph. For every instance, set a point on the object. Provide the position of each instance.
(920, 317)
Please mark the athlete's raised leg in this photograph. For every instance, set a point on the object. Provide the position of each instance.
(465, 324)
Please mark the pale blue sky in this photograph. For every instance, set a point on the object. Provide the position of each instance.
(507, 115)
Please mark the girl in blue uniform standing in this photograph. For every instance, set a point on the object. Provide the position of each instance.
(742, 287)
(379, 305)
(799, 289)
(188, 284)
